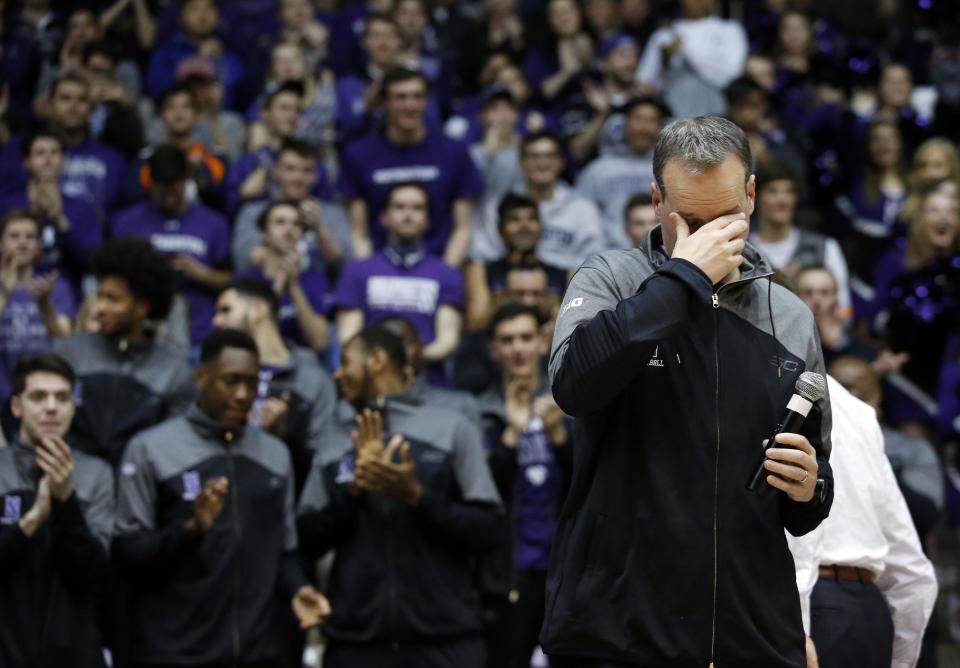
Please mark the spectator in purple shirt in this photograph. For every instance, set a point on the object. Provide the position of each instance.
(196, 238)
(302, 291)
(358, 94)
(409, 151)
(69, 227)
(404, 279)
(33, 307)
(528, 446)
(91, 171)
(198, 19)
(249, 177)
(874, 198)
(919, 289)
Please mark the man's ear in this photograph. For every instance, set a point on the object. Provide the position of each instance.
(751, 195)
(202, 376)
(376, 360)
(258, 309)
(657, 197)
(16, 407)
(141, 307)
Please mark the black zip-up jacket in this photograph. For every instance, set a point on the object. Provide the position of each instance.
(405, 574)
(661, 557)
(310, 413)
(123, 387)
(50, 581)
(212, 598)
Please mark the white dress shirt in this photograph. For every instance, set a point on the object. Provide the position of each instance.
(869, 527)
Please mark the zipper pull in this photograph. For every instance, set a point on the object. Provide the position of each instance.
(716, 304)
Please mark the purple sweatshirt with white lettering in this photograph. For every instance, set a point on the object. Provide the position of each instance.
(198, 232)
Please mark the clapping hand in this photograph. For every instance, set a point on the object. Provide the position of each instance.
(379, 474)
(55, 459)
(310, 606)
(209, 505)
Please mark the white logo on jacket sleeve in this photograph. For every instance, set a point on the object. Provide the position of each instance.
(573, 303)
(655, 360)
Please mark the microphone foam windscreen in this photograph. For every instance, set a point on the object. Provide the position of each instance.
(811, 386)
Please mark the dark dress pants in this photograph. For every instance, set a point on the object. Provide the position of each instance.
(850, 625)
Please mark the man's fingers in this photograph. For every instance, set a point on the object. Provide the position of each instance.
(777, 482)
(683, 230)
(728, 226)
(796, 441)
(794, 473)
(392, 447)
(405, 453)
(790, 456)
(736, 245)
(55, 466)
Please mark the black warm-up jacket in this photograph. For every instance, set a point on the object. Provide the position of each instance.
(661, 557)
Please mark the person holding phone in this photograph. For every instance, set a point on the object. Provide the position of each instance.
(58, 512)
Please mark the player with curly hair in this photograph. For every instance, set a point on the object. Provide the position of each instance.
(126, 381)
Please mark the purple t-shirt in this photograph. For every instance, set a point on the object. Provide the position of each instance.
(69, 253)
(92, 172)
(314, 285)
(382, 289)
(22, 330)
(371, 166)
(538, 481)
(200, 233)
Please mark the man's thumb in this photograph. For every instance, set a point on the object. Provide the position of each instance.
(683, 230)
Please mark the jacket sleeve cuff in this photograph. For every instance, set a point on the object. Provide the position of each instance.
(430, 505)
(691, 275)
(181, 540)
(68, 511)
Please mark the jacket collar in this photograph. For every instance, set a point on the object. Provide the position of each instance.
(209, 429)
(124, 346)
(25, 459)
(412, 396)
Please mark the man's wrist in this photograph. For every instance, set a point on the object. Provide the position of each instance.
(194, 527)
(30, 522)
(415, 494)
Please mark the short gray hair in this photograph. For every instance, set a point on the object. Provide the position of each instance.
(700, 143)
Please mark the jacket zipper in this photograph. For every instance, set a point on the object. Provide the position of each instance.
(715, 301)
(235, 503)
(392, 588)
(716, 476)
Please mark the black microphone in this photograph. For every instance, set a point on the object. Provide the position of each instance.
(810, 387)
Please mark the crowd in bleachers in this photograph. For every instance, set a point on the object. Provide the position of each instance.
(380, 202)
